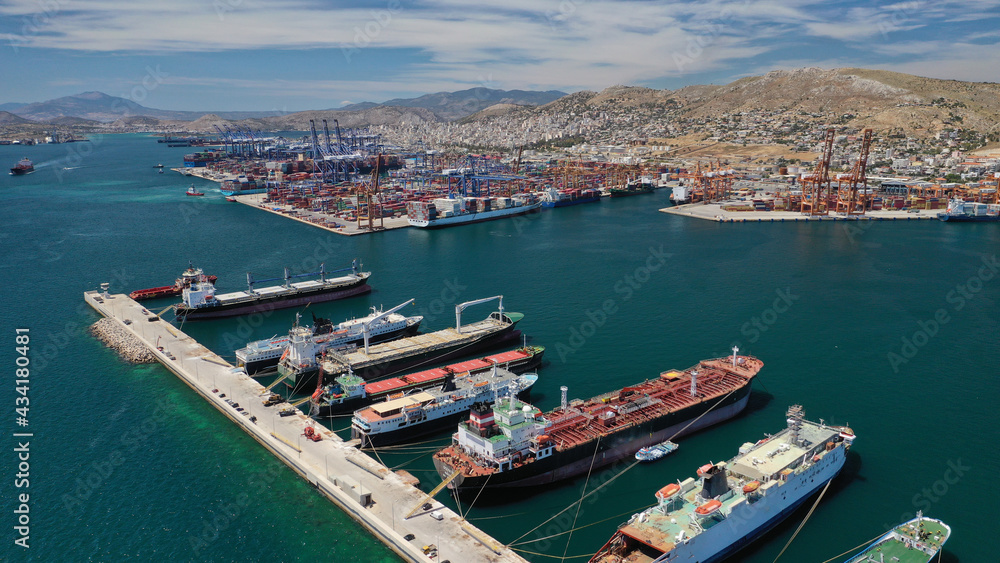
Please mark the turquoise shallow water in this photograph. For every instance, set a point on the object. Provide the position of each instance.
(128, 462)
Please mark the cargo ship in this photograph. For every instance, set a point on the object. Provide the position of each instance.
(915, 541)
(201, 302)
(242, 186)
(584, 435)
(448, 212)
(970, 212)
(308, 342)
(390, 358)
(643, 185)
(730, 504)
(201, 159)
(431, 410)
(564, 198)
(189, 276)
(349, 392)
(24, 166)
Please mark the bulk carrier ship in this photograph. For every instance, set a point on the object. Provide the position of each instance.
(201, 302)
(577, 436)
(732, 503)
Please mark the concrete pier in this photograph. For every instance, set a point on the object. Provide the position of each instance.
(714, 212)
(321, 220)
(340, 472)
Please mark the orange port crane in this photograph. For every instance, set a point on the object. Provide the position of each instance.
(817, 184)
(849, 201)
(368, 193)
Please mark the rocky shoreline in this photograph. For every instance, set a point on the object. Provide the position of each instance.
(122, 341)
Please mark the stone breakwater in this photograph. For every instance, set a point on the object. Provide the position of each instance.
(114, 336)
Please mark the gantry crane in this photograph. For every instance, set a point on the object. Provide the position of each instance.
(817, 184)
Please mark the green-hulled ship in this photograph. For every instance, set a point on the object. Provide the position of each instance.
(916, 541)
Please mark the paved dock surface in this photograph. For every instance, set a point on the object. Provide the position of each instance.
(331, 465)
(323, 220)
(714, 212)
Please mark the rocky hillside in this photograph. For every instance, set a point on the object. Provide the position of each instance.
(857, 97)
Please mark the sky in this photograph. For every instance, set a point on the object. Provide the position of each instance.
(219, 55)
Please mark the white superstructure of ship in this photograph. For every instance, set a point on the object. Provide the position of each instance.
(303, 347)
(383, 325)
(729, 504)
(426, 411)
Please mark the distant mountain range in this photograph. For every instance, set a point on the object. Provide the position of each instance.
(449, 106)
(100, 107)
(849, 96)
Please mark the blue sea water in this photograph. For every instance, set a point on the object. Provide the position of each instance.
(889, 327)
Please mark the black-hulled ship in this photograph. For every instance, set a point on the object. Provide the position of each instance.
(24, 166)
(201, 302)
(581, 435)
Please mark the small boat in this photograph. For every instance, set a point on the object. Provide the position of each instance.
(161, 171)
(658, 451)
(193, 191)
(231, 198)
(158, 166)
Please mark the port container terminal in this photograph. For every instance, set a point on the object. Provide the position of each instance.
(387, 504)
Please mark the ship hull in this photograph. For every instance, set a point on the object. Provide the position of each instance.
(626, 193)
(564, 464)
(307, 379)
(468, 218)
(243, 192)
(282, 302)
(968, 218)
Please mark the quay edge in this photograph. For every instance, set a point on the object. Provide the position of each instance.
(456, 539)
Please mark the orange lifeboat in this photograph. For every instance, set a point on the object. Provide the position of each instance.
(751, 487)
(709, 507)
(668, 491)
(705, 468)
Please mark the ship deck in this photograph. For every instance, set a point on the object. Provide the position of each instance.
(894, 548)
(270, 292)
(584, 421)
(404, 347)
(331, 465)
(463, 384)
(765, 460)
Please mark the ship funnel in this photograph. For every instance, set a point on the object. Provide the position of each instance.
(715, 484)
(564, 390)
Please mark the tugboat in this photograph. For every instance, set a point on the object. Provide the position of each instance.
(193, 191)
(24, 166)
